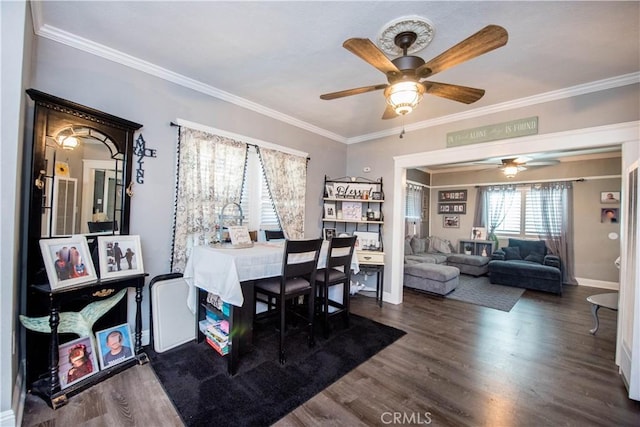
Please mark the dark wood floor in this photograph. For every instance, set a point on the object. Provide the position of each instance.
(458, 365)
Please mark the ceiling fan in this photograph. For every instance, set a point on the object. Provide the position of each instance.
(406, 73)
(511, 167)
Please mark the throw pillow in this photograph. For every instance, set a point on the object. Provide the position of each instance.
(534, 257)
(419, 245)
(437, 244)
(408, 250)
(511, 252)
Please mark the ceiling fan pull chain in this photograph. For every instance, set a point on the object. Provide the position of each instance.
(402, 133)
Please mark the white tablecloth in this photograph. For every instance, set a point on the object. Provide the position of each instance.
(220, 270)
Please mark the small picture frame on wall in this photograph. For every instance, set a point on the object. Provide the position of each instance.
(451, 221)
(458, 208)
(452, 196)
(609, 197)
(609, 215)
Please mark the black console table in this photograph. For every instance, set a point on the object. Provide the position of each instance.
(49, 387)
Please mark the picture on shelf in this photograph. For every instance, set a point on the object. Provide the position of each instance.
(451, 221)
(329, 233)
(329, 211)
(478, 233)
(367, 240)
(610, 197)
(119, 255)
(352, 211)
(67, 261)
(239, 235)
(331, 194)
(114, 345)
(76, 361)
(376, 195)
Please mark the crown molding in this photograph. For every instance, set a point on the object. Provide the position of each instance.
(72, 40)
(86, 45)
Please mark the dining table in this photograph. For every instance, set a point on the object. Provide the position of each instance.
(229, 272)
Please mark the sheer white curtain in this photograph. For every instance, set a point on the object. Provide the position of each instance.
(209, 175)
(413, 212)
(286, 176)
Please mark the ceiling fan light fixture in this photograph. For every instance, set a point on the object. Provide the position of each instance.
(404, 97)
(510, 171)
(67, 139)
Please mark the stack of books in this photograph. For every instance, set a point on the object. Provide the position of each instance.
(216, 332)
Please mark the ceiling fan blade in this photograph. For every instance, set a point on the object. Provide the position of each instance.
(489, 38)
(369, 52)
(355, 91)
(389, 113)
(543, 163)
(458, 93)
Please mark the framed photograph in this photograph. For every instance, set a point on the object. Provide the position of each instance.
(352, 211)
(452, 196)
(609, 215)
(609, 197)
(451, 221)
(458, 208)
(329, 211)
(67, 261)
(367, 240)
(331, 193)
(329, 233)
(119, 256)
(76, 361)
(114, 345)
(376, 195)
(478, 233)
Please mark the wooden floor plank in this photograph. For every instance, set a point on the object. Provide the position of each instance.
(459, 365)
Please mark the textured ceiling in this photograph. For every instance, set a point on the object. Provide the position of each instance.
(278, 57)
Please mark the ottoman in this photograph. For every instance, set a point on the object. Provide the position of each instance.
(435, 278)
(474, 265)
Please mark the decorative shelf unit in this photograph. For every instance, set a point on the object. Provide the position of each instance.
(353, 205)
(477, 246)
(48, 386)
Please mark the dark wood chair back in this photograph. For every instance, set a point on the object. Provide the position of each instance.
(273, 234)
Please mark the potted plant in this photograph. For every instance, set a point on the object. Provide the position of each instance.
(467, 249)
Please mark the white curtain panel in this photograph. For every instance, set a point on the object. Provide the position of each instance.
(210, 175)
(286, 176)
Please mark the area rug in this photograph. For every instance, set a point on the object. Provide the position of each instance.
(263, 391)
(478, 290)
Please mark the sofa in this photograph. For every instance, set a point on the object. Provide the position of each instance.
(432, 250)
(526, 264)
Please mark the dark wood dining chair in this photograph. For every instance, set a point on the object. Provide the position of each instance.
(273, 235)
(337, 271)
(299, 269)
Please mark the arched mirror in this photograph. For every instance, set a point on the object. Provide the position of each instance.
(81, 162)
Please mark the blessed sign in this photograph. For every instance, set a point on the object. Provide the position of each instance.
(512, 129)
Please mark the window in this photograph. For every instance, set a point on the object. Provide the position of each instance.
(256, 203)
(522, 212)
(413, 202)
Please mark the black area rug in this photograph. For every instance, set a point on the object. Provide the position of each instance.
(263, 391)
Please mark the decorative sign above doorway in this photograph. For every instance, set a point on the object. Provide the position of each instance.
(512, 129)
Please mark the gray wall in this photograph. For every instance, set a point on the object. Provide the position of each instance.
(606, 107)
(17, 39)
(89, 80)
(594, 251)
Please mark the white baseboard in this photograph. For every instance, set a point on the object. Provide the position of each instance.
(614, 286)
